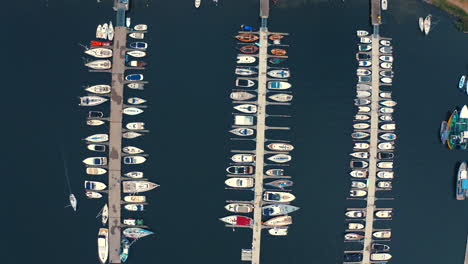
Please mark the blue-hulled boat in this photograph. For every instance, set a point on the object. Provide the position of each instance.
(280, 183)
(139, 45)
(134, 77)
(462, 81)
(125, 244)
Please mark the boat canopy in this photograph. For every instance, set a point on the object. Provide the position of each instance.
(465, 184)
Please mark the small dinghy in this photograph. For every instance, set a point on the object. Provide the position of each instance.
(136, 100)
(134, 174)
(244, 83)
(132, 150)
(139, 45)
(140, 27)
(110, 31)
(249, 49)
(137, 35)
(94, 122)
(131, 134)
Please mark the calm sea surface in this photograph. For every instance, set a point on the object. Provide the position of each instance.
(191, 72)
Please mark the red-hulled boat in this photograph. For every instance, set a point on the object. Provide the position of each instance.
(279, 52)
(95, 43)
(237, 220)
(275, 37)
(249, 49)
(247, 37)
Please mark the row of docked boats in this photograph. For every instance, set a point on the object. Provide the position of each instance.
(241, 173)
(361, 154)
(133, 183)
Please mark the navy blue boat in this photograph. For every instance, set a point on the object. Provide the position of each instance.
(134, 77)
(139, 45)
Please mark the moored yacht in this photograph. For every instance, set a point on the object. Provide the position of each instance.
(240, 169)
(281, 97)
(131, 134)
(382, 234)
(97, 147)
(132, 111)
(358, 173)
(353, 237)
(242, 131)
(246, 108)
(99, 89)
(281, 197)
(248, 158)
(278, 85)
(139, 45)
(242, 59)
(103, 244)
(99, 52)
(427, 24)
(355, 214)
(279, 221)
(94, 186)
(95, 171)
(280, 183)
(135, 100)
(361, 145)
(136, 232)
(138, 186)
(135, 125)
(101, 161)
(99, 64)
(278, 209)
(132, 150)
(239, 208)
(237, 220)
(133, 160)
(280, 146)
(275, 172)
(137, 35)
(279, 73)
(245, 71)
(241, 96)
(240, 182)
(110, 31)
(244, 83)
(462, 182)
(134, 174)
(92, 100)
(93, 195)
(280, 158)
(94, 122)
(140, 27)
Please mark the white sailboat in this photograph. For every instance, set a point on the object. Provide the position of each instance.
(427, 24)
(421, 24)
(197, 3)
(110, 31)
(71, 197)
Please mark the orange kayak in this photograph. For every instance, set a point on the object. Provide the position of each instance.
(247, 37)
(279, 52)
(276, 37)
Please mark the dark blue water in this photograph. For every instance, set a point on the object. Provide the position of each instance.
(192, 60)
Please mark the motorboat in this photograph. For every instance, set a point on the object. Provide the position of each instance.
(385, 165)
(281, 97)
(382, 234)
(246, 37)
(360, 154)
(278, 209)
(243, 132)
(128, 22)
(365, 63)
(239, 208)
(131, 134)
(241, 96)
(135, 198)
(386, 80)
(93, 195)
(386, 95)
(237, 220)
(380, 247)
(427, 24)
(355, 226)
(361, 145)
(110, 31)
(135, 100)
(138, 186)
(243, 120)
(135, 125)
(363, 86)
(280, 158)
(357, 193)
(363, 56)
(386, 110)
(361, 126)
(136, 232)
(276, 37)
(385, 174)
(362, 33)
(95, 171)
(132, 150)
(104, 31)
(97, 138)
(245, 71)
(363, 94)
(276, 60)
(358, 164)
(361, 102)
(249, 49)
(247, 158)
(99, 89)
(353, 237)
(99, 64)
(352, 257)
(388, 136)
(389, 126)
(281, 197)
(386, 58)
(385, 42)
(240, 169)
(99, 52)
(133, 222)
(364, 47)
(278, 231)
(283, 220)
(104, 214)
(134, 159)
(101, 161)
(358, 184)
(355, 214)
(278, 52)
(384, 184)
(462, 182)
(385, 155)
(380, 256)
(136, 53)
(359, 135)
(137, 35)
(278, 85)
(279, 73)
(462, 81)
(134, 174)
(99, 32)
(365, 40)
(94, 185)
(134, 207)
(136, 63)
(134, 77)
(275, 172)
(197, 3)
(244, 83)
(97, 147)
(125, 245)
(95, 114)
(386, 65)
(388, 103)
(383, 213)
(361, 117)
(358, 173)
(139, 45)
(280, 146)
(242, 59)
(239, 182)
(92, 100)
(363, 72)
(421, 24)
(95, 43)
(364, 78)
(280, 183)
(140, 27)
(386, 74)
(132, 111)
(103, 244)
(386, 50)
